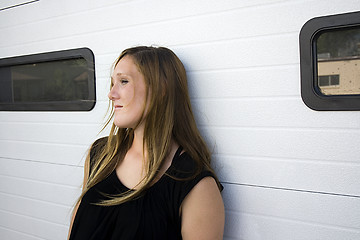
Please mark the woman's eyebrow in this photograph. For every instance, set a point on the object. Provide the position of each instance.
(118, 75)
(123, 75)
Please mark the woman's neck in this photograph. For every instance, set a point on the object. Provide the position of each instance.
(137, 145)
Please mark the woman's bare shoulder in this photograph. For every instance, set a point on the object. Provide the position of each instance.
(203, 215)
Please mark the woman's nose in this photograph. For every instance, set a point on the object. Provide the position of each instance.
(110, 96)
(113, 95)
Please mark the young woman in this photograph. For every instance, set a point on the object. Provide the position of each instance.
(151, 177)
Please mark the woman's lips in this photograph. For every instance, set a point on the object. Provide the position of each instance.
(117, 107)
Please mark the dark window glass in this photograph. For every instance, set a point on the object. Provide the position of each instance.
(334, 80)
(323, 81)
(57, 81)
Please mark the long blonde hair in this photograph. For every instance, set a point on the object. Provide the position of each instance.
(169, 116)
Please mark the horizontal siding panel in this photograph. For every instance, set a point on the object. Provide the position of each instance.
(69, 27)
(242, 226)
(9, 234)
(284, 112)
(32, 226)
(37, 12)
(80, 134)
(96, 116)
(44, 152)
(311, 144)
(241, 53)
(68, 32)
(325, 177)
(131, 15)
(245, 82)
(42, 171)
(311, 208)
(268, 19)
(52, 193)
(37, 209)
(8, 4)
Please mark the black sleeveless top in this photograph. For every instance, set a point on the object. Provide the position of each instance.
(155, 215)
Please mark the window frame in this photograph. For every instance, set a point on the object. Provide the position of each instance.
(69, 54)
(310, 94)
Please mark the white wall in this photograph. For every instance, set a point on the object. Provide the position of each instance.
(289, 172)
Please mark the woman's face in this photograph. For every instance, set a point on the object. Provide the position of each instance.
(128, 93)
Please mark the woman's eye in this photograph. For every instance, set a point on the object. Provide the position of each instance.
(124, 81)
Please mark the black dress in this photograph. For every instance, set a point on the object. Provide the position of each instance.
(155, 215)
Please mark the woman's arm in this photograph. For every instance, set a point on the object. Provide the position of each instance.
(202, 212)
(86, 175)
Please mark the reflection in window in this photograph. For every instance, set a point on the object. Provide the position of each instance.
(330, 80)
(51, 81)
(338, 62)
(55, 81)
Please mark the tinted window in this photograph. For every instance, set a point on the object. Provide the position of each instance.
(330, 62)
(56, 81)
